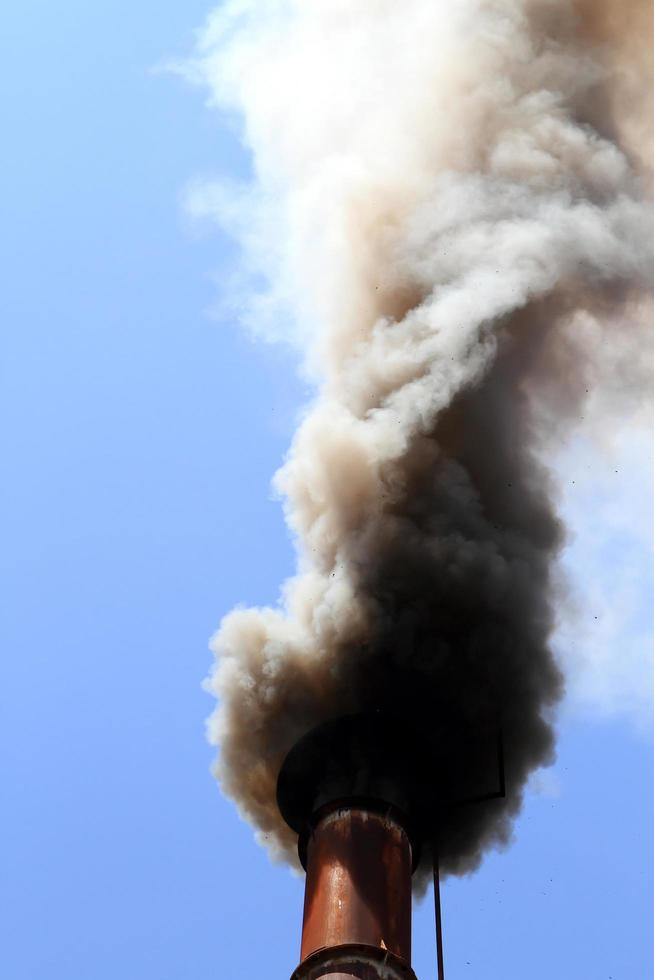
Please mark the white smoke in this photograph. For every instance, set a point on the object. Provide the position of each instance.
(450, 216)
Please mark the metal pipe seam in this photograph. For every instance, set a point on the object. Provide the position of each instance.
(353, 960)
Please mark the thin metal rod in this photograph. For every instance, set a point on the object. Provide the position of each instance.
(439, 921)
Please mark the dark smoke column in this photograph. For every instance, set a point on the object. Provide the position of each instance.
(441, 199)
(463, 244)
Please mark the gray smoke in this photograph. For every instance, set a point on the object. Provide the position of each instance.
(449, 202)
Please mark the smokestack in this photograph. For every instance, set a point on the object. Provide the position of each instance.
(345, 790)
(370, 795)
(357, 905)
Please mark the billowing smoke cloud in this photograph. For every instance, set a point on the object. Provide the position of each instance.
(449, 206)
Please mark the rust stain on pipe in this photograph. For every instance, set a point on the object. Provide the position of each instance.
(357, 907)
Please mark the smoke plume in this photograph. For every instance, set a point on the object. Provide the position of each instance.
(449, 203)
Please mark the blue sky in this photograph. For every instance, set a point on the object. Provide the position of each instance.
(139, 436)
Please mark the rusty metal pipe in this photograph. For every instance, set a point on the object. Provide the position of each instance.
(357, 906)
